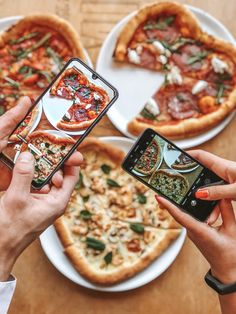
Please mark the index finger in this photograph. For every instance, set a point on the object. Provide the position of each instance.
(11, 118)
(217, 164)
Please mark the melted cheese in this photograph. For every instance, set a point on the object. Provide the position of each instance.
(158, 45)
(199, 86)
(163, 59)
(152, 107)
(218, 65)
(174, 76)
(133, 56)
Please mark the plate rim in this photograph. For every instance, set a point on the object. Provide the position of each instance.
(115, 288)
(186, 142)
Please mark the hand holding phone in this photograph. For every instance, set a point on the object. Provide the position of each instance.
(60, 119)
(171, 172)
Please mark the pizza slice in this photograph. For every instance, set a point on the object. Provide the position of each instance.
(169, 183)
(108, 251)
(150, 159)
(48, 150)
(210, 60)
(184, 107)
(183, 162)
(32, 52)
(151, 35)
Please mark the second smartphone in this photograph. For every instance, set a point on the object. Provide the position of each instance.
(171, 172)
(60, 119)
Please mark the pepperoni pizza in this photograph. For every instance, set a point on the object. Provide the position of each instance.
(200, 71)
(88, 99)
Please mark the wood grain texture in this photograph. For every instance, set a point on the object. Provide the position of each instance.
(180, 290)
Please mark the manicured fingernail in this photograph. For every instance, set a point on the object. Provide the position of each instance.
(202, 194)
(25, 157)
(157, 198)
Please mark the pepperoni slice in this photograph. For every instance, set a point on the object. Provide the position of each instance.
(182, 106)
(186, 58)
(148, 59)
(169, 34)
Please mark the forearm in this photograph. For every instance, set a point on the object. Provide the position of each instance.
(228, 303)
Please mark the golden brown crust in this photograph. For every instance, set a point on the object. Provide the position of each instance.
(185, 17)
(27, 129)
(188, 127)
(92, 143)
(63, 232)
(51, 21)
(121, 273)
(50, 137)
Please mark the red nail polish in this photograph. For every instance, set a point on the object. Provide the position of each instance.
(157, 198)
(202, 194)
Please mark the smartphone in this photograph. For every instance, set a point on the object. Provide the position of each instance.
(60, 119)
(171, 172)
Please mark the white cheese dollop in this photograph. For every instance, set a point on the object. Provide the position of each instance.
(59, 92)
(198, 87)
(158, 45)
(174, 76)
(163, 59)
(218, 65)
(133, 56)
(139, 49)
(88, 106)
(152, 106)
(96, 96)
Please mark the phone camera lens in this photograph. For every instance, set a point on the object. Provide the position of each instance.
(94, 76)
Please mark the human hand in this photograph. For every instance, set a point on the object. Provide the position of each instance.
(216, 244)
(8, 122)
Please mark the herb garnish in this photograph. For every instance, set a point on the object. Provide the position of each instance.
(142, 199)
(112, 183)
(80, 182)
(198, 57)
(108, 258)
(85, 214)
(105, 168)
(23, 38)
(95, 244)
(138, 228)
(160, 25)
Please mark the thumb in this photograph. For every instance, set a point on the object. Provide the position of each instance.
(218, 192)
(22, 174)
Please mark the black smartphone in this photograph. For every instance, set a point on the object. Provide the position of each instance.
(171, 172)
(60, 119)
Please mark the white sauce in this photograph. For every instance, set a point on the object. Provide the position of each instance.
(199, 86)
(133, 56)
(218, 65)
(174, 76)
(88, 106)
(152, 106)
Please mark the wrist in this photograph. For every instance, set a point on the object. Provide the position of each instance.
(226, 276)
(7, 259)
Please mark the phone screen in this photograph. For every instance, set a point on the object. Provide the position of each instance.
(167, 169)
(61, 118)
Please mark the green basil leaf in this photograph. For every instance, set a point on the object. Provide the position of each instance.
(80, 183)
(85, 198)
(136, 227)
(220, 93)
(12, 82)
(95, 244)
(85, 214)
(142, 199)
(112, 183)
(47, 145)
(108, 258)
(105, 168)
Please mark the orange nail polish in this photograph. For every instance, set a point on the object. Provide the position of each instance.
(202, 194)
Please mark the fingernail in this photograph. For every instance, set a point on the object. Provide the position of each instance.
(25, 157)
(202, 194)
(157, 198)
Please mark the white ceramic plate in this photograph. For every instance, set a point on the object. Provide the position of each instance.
(170, 155)
(54, 250)
(136, 85)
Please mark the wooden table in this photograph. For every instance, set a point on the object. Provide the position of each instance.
(181, 289)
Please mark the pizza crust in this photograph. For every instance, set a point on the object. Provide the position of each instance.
(121, 273)
(188, 127)
(184, 16)
(54, 22)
